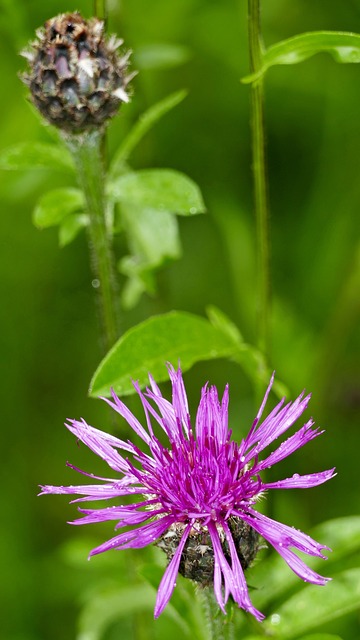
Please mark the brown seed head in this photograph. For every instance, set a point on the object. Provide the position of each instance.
(76, 77)
(197, 560)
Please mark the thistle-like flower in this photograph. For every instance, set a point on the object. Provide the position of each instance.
(76, 77)
(197, 494)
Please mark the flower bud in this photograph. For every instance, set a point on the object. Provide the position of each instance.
(197, 560)
(76, 77)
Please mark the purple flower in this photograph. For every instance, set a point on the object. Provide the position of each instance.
(201, 483)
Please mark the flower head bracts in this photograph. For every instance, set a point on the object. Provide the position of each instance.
(201, 485)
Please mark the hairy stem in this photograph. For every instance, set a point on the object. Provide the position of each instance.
(221, 627)
(260, 184)
(87, 154)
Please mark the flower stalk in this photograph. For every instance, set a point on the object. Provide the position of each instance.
(86, 150)
(260, 182)
(100, 9)
(221, 627)
(78, 80)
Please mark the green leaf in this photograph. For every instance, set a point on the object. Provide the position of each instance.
(272, 576)
(70, 227)
(144, 124)
(55, 205)
(248, 357)
(161, 55)
(152, 234)
(172, 337)
(160, 189)
(153, 238)
(314, 606)
(221, 321)
(344, 47)
(28, 155)
(139, 281)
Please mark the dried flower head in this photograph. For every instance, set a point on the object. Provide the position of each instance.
(197, 494)
(76, 77)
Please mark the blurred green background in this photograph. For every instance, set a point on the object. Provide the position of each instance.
(49, 339)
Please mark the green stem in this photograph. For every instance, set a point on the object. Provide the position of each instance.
(259, 176)
(86, 151)
(100, 9)
(221, 626)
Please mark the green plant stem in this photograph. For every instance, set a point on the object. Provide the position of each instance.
(260, 183)
(86, 151)
(100, 9)
(221, 627)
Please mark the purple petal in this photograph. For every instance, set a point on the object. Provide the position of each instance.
(262, 407)
(275, 424)
(301, 482)
(146, 411)
(168, 582)
(286, 448)
(126, 515)
(233, 576)
(133, 422)
(272, 428)
(280, 535)
(179, 397)
(98, 442)
(167, 417)
(211, 425)
(97, 491)
(101, 435)
(136, 538)
(218, 585)
(300, 568)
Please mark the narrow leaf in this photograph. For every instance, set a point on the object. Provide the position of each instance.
(344, 47)
(161, 189)
(28, 155)
(314, 606)
(172, 337)
(144, 124)
(55, 205)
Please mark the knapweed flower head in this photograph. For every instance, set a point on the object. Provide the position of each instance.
(76, 76)
(195, 496)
